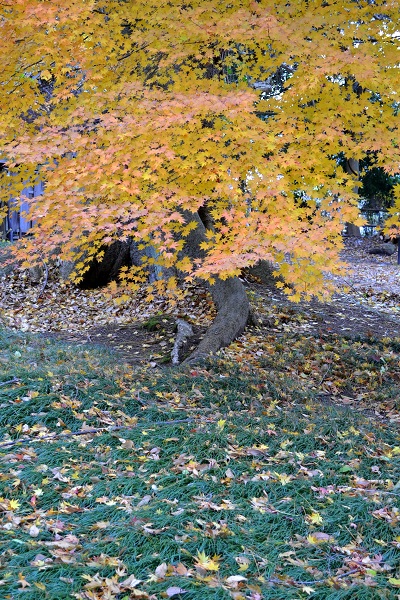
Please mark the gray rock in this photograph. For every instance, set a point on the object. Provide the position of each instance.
(36, 273)
(66, 267)
(384, 250)
(185, 331)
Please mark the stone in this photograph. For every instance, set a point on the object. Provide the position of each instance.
(36, 273)
(184, 332)
(66, 267)
(384, 250)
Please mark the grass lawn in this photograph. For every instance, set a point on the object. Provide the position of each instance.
(233, 480)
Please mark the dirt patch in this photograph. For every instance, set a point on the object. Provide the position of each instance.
(151, 341)
(136, 344)
(344, 315)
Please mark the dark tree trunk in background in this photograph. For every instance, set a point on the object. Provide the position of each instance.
(101, 272)
(139, 258)
(352, 167)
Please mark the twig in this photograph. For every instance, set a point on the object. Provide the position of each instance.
(10, 381)
(140, 400)
(46, 276)
(325, 375)
(350, 285)
(128, 54)
(88, 431)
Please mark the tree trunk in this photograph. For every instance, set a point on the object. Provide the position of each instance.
(352, 167)
(139, 259)
(100, 273)
(228, 295)
(233, 315)
(353, 230)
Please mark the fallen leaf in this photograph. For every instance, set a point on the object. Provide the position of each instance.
(145, 500)
(307, 589)
(40, 586)
(314, 518)
(205, 562)
(34, 531)
(175, 591)
(161, 571)
(22, 581)
(131, 582)
(14, 504)
(235, 579)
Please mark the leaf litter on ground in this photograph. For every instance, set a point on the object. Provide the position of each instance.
(92, 316)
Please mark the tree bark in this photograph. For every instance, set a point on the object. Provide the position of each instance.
(154, 271)
(100, 273)
(228, 295)
(233, 315)
(352, 167)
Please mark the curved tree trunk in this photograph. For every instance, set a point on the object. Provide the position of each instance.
(228, 295)
(233, 315)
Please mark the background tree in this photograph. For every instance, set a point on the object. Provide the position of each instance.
(144, 121)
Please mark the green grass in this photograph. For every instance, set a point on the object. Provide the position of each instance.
(264, 482)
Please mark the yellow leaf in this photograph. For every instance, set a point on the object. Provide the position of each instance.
(221, 424)
(395, 582)
(206, 562)
(308, 590)
(39, 585)
(314, 518)
(283, 478)
(285, 444)
(46, 75)
(22, 581)
(14, 504)
(319, 538)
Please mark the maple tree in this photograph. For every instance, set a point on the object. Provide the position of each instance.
(146, 122)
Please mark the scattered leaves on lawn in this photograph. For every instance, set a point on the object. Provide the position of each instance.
(284, 483)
